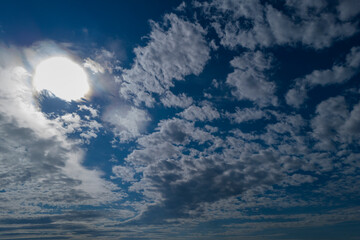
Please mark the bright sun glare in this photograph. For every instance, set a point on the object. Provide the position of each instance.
(62, 77)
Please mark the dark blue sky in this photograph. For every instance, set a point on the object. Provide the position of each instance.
(222, 119)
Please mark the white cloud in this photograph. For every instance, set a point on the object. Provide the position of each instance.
(348, 9)
(95, 67)
(179, 131)
(100, 190)
(303, 8)
(103, 60)
(87, 127)
(250, 24)
(339, 73)
(246, 114)
(167, 141)
(176, 48)
(123, 172)
(296, 96)
(247, 9)
(181, 7)
(249, 80)
(331, 115)
(170, 100)
(93, 111)
(350, 131)
(298, 179)
(128, 122)
(286, 31)
(206, 112)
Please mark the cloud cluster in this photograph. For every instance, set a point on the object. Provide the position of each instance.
(175, 49)
(84, 125)
(239, 159)
(186, 171)
(252, 24)
(192, 167)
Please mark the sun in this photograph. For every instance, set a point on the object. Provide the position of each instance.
(62, 77)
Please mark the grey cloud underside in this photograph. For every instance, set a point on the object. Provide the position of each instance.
(32, 176)
(182, 180)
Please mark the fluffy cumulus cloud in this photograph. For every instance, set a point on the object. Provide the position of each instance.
(203, 113)
(169, 99)
(74, 123)
(336, 124)
(175, 49)
(247, 114)
(249, 79)
(126, 121)
(331, 114)
(337, 74)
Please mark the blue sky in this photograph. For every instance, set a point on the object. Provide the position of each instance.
(231, 119)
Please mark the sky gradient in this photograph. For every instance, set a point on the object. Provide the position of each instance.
(222, 119)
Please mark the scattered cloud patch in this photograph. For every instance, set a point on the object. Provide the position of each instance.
(247, 114)
(339, 73)
(176, 48)
(168, 99)
(252, 24)
(127, 122)
(249, 80)
(204, 113)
